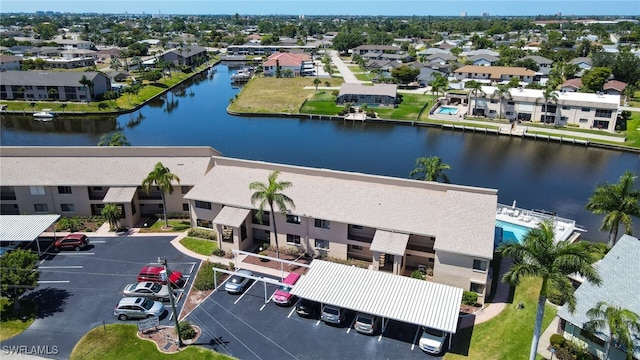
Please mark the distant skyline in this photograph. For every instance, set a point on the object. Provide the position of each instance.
(333, 7)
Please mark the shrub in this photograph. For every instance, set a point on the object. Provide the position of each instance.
(218, 252)
(470, 298)
(71, 224)
(202, 234)
(557, 340)
(186, 330)
(417, 274)
(205, 277)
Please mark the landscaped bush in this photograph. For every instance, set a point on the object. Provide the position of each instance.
(417, 274)
(557, 340)
(186, 330)
(571, 350)
(71, 224)
(205, 277)
(470, 298)
(202, 234)
(218, 252)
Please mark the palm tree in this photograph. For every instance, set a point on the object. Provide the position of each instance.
(117, 139)
(317, 82)
(111, 213)
(430, 169)
(269, 194)
(621, 324)
(161, 177)
(53, 93)
(502, 92)
(549, 95)
(85, 82)
(541, 256)
(476, 88)
(439, 84)
(619, 202)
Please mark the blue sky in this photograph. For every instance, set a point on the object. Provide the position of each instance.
(333, 7)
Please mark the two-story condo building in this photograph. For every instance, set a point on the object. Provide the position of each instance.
(494, 74)
(45, 85)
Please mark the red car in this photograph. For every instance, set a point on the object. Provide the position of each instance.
(71, 241)
(153, 273)
(282, 296)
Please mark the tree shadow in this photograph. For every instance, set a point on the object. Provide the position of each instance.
(49, 300)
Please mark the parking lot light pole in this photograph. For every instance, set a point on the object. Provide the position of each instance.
(173, 302)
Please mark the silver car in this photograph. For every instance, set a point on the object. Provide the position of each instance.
(238, 283)
(366, 323)
(332, 314)
(149, 290)
(137, 307)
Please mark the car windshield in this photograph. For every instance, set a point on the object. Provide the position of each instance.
(156, 287)
(147, 304)
(434, 332)
(332, 311)
(364, 320)
(284, 288)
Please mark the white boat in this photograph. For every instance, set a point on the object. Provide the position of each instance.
(44, 115)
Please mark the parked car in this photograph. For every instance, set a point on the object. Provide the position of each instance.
(137, 307)
(238, 283)
(307, 308)
(333, 314)
(149, 290)
(366, 323)
(72, 241)
(153, 273)
(282, 296)
(432, 340)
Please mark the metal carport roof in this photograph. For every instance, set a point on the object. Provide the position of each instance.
(25, 227)
(384, 294)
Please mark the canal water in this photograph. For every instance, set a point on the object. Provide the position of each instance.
(537, 174)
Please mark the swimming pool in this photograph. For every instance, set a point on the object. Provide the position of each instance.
(448, 110)
(512, 232)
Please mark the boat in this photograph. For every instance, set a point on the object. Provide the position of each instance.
(242, 76)
(44, 115)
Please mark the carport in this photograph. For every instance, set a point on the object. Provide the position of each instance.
(25, 227)
(389, 296)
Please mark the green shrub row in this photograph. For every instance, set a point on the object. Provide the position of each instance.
(205, 277)
(202, 234)
(470, 298)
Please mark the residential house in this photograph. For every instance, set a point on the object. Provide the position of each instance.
(442, 58)
(583, 110)
(8, 62)
(298, 64)
(74, 44)
(614, 87)
(544, 63)
(189, 55)
(494, 74)
(359, 94)
(485, 52)
(257, 49)
(72, 59)
(583, 63)
(38, 85)
(619, 271)
(571, 85)
(378, 49)
(483, 60)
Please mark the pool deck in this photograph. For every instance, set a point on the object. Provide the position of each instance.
(563, 228)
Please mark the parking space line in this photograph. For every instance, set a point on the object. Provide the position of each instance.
(352, 323)
(268, 301)
(291, 312)
(98, 241)
(413, 344)
(244, 293)
(61, 267)
(318, 323)
(74, 253)
(192, 267)
(52, 281)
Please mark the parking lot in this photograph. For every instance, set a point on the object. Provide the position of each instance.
(79, 290)
(243, 326)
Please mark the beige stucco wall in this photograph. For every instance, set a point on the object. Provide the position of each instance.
(457, 270)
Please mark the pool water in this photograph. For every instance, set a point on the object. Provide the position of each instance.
(448, 110)
(511, 232)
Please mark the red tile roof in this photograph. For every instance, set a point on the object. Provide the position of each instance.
(572, 83)
(614, 85)
(286, 59)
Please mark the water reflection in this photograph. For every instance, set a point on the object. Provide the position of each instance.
(89, 124)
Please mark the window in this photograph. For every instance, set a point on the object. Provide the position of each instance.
(40, 207)
(510, 103)
(603, 113)
(585, 109)
(264, 220)
(549, 108)
(185, 207)
(64, 189)
(356, 247)
(36, 190)
(325, 224)
(203, 205)
(494, 101)
(322, 244)
(293, 239)
(509, 113)
(243, 231)
(204, 223)
(293, 219)
(583, 120)
(477, 288)
(359, 227)
(67, 208)
(184, 189)
(565, 107)
(492, 111)
(480, 265)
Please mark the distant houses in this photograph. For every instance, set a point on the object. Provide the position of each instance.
(54, 85)
(285, 64)
(494, 74)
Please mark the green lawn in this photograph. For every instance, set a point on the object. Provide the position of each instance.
(200, 246)
(176, 226)
(508, 335)
(13, 323)
(118, 341)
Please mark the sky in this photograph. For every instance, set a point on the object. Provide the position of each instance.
(332, 7)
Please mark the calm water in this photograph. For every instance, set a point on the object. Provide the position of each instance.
(537, 174)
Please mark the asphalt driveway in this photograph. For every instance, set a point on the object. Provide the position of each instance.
(79, 290)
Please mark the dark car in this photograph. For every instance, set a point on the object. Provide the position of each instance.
(307, 308)
(71, 241)
(153, 273)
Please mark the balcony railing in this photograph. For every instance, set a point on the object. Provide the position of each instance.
(361, 238)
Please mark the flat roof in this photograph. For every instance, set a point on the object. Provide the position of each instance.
(460, 218)
(384, 294)
(25, 227)
(119, 195)
(231, 216)
(389, 242)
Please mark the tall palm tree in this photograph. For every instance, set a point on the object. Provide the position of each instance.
(269, 194)
(618, 202)
(85, 82)
(111, 213)
(116, 139)
(549, 95)
(541, 256)
(476, 88)
(430, 169)
(502, 92)
(439, 84)
(621, 324)
(161, 177)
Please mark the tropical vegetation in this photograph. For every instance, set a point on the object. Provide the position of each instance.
(622, 326)
(163, 178)
(430, 169)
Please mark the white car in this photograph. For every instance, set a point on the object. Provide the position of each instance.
(148, 289)
(432, 340)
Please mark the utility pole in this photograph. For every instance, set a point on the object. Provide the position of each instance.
(163, 262)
